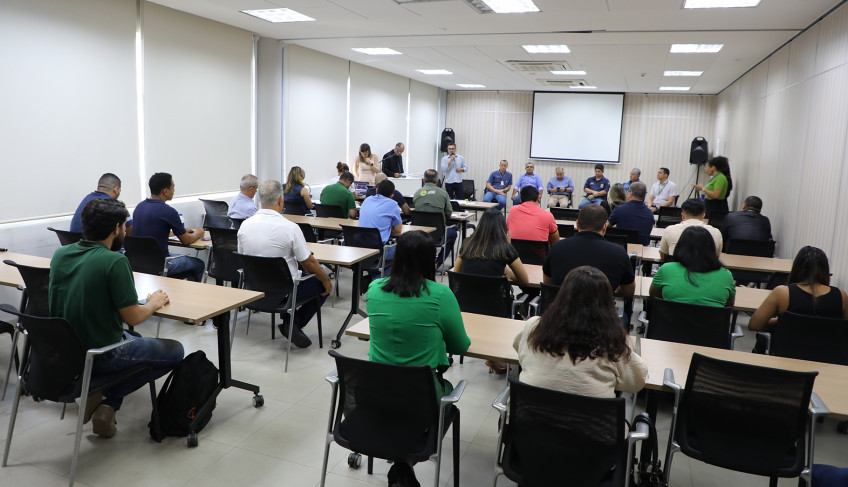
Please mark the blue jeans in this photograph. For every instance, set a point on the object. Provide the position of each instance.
(517, 200)
(188, 267)
(390, 256)
(450, 240)
(307, 289)
(160, 353)
(501, 199)
(590, 201)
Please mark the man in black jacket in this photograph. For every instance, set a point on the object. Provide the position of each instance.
(393, 161)
(748, 223)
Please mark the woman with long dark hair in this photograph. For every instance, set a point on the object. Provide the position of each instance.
(488, 252)
(578, 345)
(696, 276)
(808, 293)
(717, 189)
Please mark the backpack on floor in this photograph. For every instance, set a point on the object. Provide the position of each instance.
(185, 392)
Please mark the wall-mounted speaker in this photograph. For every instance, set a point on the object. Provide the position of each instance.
(698, 153)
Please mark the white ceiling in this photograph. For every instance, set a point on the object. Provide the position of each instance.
(623, 45)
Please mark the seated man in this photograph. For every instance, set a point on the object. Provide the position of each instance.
(269, 234)
(92, 287)
(560, 189)
(154, 218)
(528, 221)
(527, 179)
(431, 198)
(109, 186)
(397, 195)
(634, 215)
(339, 194)
(634, 178)
(382, 212)
(748, 223)
(663, 192)
(498, 184)
(588, 247)
(693, 213)
(596, 188)
(242, 207)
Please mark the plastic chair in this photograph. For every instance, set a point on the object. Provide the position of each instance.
(745, 418)
(668, 215)
(328, 211)
(367, 238)
(145, 256)
(754, 248)
(620, 240)
(631, 235)
(391, 412)
(566, 231)
(271, 275)
(694, 324)
(66, 237)
(813, 338)
(59, 369)
(485, 295)
(531, 252)
(217, 221)
(295, 209)
(218, 208)
(440, 235)
(550, 436)
(468, 189)
(569, 214)
(541, 302)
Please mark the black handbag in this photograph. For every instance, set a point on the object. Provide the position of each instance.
(647, 468)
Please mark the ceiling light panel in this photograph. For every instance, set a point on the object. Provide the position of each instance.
(277, 15)
(511, 6)
(468, 85)
(547, 49)
(683, 73)
(695, 48)
(675, 88)
(720, 3)
(582, 87)
(376, 51)
(569, 73)
(434, 71)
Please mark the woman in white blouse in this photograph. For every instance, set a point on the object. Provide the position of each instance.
(366, 165)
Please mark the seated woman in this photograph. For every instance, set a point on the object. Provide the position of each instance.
(488, 252)
(578, 345)
(341, 168)
(415, 320)
(296, 194)
(696, 276)
(809, 292)
(617, 195)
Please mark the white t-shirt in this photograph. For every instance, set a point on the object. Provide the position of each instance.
(662, 193)
(270, 234)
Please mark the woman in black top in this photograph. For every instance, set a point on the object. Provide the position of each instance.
(488, 252)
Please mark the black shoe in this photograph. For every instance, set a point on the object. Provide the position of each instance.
(402, 475)
(299, 339)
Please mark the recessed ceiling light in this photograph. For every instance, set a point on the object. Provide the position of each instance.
(376, 51)
(696, 48)
(433, 71)
(511, 6)
(547, 49)
(683, 73)
(720, 3)
(581, 87)
(675, 88)
(466, 85)
(277, 15)
(569, 73)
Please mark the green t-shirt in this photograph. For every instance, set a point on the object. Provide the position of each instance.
(710, 289)
(433, 199)
(337, 194)
(719, 181)
(88, 285)
(416, 330)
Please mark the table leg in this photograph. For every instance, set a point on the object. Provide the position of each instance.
(354, 306)
(462, 225)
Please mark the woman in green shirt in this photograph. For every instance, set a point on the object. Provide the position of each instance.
(718, 188)
(696, 276)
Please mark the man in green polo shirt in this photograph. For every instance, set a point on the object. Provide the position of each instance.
(434, 199)
(92, 287)
(339, 194)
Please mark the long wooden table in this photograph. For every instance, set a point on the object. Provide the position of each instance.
(335, 223)
(733, 261)
(747, 299)
(656, 233)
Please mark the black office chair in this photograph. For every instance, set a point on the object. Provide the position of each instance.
(632, 236)
(468, 189)
(66, 237)
(58, 368)
(694, 324)
(217, 221)
(410, 202)
(212, 207)
(540, 303)
(367, 238)
(271, 275)
(569, 214)
(813, 338)
(565, 230)
(531, 252)
(223, 264)
(668, 215)
(390, 412)
(328, 211)
(295, 209)
(485, 295)
(439, 236)
(145, 256)
(717, 218)
(620, 240)
(745, 418)
(311, 236)
(754, 248)
(550, 436)
(237, 222)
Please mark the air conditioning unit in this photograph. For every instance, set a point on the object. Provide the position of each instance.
(563, 83)
(536, 66)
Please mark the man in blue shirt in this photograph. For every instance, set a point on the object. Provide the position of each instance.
(634, 178)
(383, 213)
(634, 215)
(596, 188)
(498, 184)
(154, 218)
(527, 179)
(242, 206)
(108, 186)
(560, 189)
(453, 166)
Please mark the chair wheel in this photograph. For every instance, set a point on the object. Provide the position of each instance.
(258, 401)
(354, 460)
(192, 440)
(335, 344)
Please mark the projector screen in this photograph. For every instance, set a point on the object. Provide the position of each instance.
(581, 127)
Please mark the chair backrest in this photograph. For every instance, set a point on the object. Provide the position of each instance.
(669, 211)
(755, 248)
(531, 252)
(468, 188)
(745, 417)
(485, 295)
(717, 218)
(66, 237)
(565, 214)
(631, 235)
(292, 208)
(328, 211)
(225, 264)
(237, 222)
(620, 240)
(431, 219)
(308, 232)
(385, 411)
(547, 296)
(810, 338)
(270, 275)
(695, 324)
(144, 255)
(218, 208)
(366, 238)
(217, 221)
(410, 201)
(36, 288)
(566, 231)
(552, 434)
(455, 206)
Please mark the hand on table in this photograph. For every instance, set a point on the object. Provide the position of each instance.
(158, 299)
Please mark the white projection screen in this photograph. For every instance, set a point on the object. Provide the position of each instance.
(581, 127)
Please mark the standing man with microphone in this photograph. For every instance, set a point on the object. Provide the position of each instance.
(453, 166)
(393, 161)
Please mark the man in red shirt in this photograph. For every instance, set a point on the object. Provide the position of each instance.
(528, 221)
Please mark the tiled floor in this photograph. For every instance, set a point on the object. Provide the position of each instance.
(282, 443)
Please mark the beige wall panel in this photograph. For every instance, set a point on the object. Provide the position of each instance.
(759, 80)
(833, 41)
(771, 184)
(778, 70)
(802, 56)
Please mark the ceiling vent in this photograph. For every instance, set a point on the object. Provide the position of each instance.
(563, 83)
(537, 66)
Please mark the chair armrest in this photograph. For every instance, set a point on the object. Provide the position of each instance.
(521, 299)
(8, 308)
(455, 394)
(502, 401)
(171, 257)
(332, 377)
(303, 277)
(642, 432)
(767, 337)
(326, 240)
(818, 408)
(534, 304)
(108, 348)
(737, 331)
(668, 381)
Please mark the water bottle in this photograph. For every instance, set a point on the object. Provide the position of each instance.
(182, 220)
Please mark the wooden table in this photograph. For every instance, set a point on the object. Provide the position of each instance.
(747, 299)
(335, 223)
(732, 261)
(476, 205)
(202, 244)
(9, 276)
(656, 233)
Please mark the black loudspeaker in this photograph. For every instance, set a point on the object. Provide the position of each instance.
(448, 138)
(698, 152)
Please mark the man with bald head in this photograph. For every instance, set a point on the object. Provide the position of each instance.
(108, 186)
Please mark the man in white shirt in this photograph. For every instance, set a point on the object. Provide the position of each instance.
(242, 207)
(269, 234)
(663, 192)
(693, 214)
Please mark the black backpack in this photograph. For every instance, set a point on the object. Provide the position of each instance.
(185, 392)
